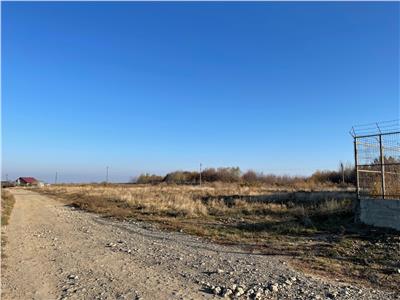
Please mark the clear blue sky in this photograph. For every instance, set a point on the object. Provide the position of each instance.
(155, 87)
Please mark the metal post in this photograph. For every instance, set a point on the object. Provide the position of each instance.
(356, 168)
(342, 169)
(357, 204)
(200, 174)
(382, 157)
(55, 179)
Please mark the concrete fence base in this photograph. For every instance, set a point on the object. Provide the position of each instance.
(380, 212)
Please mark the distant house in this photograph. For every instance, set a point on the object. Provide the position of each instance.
(27, 181)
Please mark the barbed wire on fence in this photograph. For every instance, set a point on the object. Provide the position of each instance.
(375, 128)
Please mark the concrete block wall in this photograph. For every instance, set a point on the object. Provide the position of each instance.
(380, 212)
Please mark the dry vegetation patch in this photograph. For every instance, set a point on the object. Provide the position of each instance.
(7, 204)
(319, 237)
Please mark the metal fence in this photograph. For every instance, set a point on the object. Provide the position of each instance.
(377, 160)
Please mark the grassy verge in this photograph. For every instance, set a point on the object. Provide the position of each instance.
(318, 237)
(7, 204)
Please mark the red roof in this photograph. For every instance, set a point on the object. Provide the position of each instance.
(28, 179)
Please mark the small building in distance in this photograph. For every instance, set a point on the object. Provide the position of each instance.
(27, 181)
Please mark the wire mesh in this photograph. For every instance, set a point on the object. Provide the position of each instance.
(378, 165)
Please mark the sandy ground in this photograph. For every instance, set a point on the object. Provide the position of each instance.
(57, 252)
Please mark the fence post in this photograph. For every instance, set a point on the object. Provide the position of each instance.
(357, 204)
(382, 158)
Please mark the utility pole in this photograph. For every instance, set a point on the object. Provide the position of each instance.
(200, 174)
(55, 179)
(107, 174)
(342, 169)
(6, 177)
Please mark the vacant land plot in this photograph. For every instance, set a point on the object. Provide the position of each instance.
(318, 236)
(59, 252)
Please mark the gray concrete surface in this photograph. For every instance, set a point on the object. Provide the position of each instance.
(380, 212)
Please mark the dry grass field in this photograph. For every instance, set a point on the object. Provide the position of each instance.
(318, 236)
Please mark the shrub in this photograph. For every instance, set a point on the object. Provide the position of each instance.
(250, 177)
(147, 178)
(234, 175)
(335, 177)
(182, 177)
(228, 175)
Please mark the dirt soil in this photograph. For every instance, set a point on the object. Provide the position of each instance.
(57, 252)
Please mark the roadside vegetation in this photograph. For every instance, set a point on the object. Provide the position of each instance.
(7, 204)
(317, 235)
(345, 176)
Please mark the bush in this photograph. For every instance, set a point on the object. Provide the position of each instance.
(228, 175)
(250, 177)
(182, 177)
(335, 177)
(147, 178)
(234, 175)
(221, 174)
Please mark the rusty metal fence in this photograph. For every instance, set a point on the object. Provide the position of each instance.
(377, 160)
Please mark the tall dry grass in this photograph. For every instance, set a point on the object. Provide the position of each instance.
(177, 200)
(163, 199)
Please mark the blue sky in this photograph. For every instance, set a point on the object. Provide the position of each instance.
(155, 87)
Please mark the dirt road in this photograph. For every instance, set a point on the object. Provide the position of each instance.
(57, 252)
